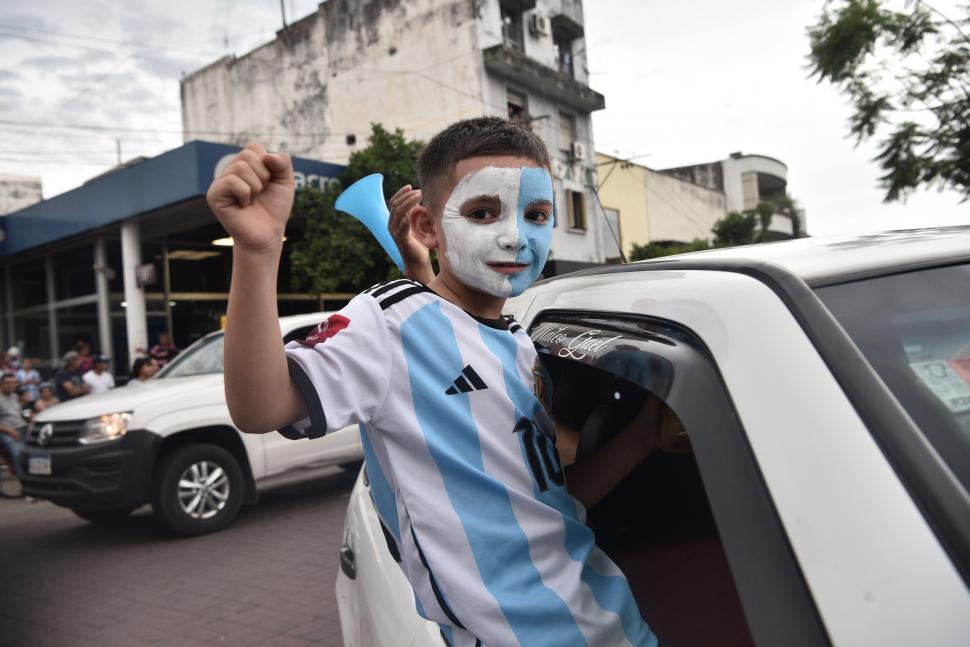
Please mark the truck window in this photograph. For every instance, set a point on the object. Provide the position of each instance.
(662, 525)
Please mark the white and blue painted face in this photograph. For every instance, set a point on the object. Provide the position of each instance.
(498, 227)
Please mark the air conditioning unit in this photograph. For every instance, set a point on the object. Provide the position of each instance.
(538, 25)
(579, 150)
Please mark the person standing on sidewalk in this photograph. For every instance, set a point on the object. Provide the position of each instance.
(13, 428)
(98, 378)
(68, 383)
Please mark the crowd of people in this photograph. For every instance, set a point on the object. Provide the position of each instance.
(24, 393)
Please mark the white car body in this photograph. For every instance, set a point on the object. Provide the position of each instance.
(871, 568)
(166, 408)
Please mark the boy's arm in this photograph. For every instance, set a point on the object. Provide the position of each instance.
(252, 199)
(655, 427)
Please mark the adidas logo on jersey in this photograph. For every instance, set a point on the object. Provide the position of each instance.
(467, 381)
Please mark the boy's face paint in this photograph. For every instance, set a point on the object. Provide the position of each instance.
(498, 227)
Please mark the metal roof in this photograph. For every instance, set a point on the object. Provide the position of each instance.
(129, 191)
(819, 259)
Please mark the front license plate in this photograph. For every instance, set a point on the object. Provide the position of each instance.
(39, 464)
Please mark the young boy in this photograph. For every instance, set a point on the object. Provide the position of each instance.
(459, 448)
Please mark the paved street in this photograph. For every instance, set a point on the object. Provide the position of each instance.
(267, 580)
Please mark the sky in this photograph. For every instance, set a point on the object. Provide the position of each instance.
(685, 82)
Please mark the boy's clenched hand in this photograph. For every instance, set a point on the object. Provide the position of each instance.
(253, 197)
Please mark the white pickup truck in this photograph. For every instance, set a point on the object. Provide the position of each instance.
(171, 443)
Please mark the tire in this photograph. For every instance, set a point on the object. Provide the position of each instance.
(183, 508)
(353, 467)
(103, 516)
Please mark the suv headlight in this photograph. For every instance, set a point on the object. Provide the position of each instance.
(110, 426)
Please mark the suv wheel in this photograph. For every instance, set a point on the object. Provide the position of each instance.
(199, 489)
(103, 516)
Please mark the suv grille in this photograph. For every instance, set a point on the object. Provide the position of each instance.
(63, 433)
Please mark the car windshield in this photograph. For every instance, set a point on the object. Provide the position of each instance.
(202, 357)
(914, 328)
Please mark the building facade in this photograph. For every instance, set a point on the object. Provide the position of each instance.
(419, 66)
(683, 204)
(652, 206)
(747, 181)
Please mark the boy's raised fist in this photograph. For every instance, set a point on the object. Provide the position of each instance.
(253, 197)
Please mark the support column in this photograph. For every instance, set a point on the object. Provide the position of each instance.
(55, 342)
(8, 302)
(136, 323)
(104, 298)
(167, 289)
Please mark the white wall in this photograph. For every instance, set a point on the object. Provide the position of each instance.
(734, 169)
(678, 210)
(414, 66)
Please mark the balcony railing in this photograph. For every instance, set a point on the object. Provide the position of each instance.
(515, 66)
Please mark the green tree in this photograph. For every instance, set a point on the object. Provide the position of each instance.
(736, 229)
(658, 248)
(333, 252)
(907, 75)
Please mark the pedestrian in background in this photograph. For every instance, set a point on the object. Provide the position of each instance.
(68, 383)
(83, 349)
(98, 378)
(47, 398)
(12, 426)
(143, 369)
(27, 403)
(28, 377)
(164, 351)
(11, 360)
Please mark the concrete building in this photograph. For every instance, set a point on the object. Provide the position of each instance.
(418, 66)
(653, 206)
(17, 192)
(129, 254)
(747, 181)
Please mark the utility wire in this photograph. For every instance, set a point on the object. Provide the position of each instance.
(609, 225)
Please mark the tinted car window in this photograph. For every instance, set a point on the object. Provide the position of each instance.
(676, 522)
(202, 357)
(914, 328)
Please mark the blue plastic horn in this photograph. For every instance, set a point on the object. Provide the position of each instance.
(364, 200)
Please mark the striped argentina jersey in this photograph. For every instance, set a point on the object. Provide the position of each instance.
(463, 471)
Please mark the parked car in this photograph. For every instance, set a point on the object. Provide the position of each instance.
(171, 443)
(825, 388)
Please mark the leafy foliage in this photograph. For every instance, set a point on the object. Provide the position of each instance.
(907, 74)
(660, 248)
(333, 252)
(735, 229)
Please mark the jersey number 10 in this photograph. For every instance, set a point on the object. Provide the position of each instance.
(540, 451)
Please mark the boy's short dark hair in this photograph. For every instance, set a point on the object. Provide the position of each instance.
(476, 137)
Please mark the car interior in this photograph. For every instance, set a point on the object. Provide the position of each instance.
(657, 524)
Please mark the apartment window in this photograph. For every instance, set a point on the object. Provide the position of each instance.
(567, 132)
(564, 46)
(575, 210)
(518, 108)
(512, 31)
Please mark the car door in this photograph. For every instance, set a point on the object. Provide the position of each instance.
(814, 521)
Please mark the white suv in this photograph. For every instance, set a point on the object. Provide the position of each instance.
(171, 443)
